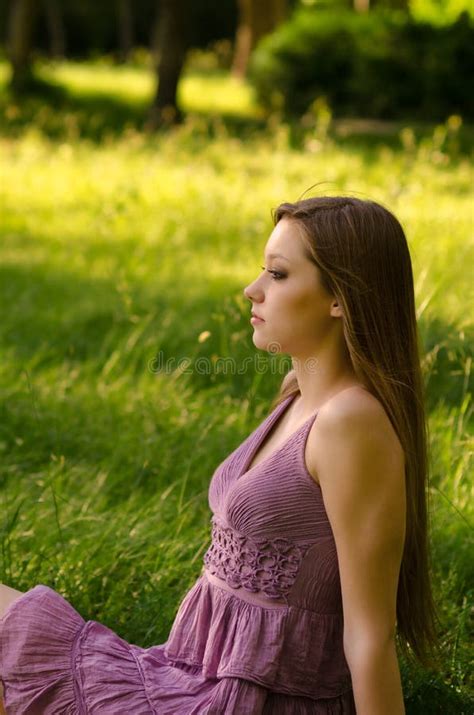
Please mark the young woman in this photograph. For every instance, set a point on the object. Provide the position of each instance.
(319, 560)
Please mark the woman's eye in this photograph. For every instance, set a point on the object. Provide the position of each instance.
(275, 274)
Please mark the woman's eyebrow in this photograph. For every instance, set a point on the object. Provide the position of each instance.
(278, 255)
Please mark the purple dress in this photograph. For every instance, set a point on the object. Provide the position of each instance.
(260, 631)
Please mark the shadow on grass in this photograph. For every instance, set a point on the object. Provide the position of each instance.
(448, 351)
(432, 696)
(62, 115)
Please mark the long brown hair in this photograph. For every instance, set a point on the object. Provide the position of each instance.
(362, 254)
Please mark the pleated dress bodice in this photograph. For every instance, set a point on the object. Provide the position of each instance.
(268, 604)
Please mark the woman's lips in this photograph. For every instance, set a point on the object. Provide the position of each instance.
(255, 321)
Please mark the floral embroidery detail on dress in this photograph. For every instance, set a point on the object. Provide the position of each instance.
(267, 565)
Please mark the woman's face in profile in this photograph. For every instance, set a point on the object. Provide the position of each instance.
(288, 296)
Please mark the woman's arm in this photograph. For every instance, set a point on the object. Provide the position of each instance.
(375, 678)
(358, 460)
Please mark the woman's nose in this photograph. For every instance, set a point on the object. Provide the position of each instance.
(250, 291)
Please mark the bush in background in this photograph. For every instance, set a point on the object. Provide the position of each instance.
(381, 64)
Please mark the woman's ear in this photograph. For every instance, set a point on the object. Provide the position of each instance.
(336, 310)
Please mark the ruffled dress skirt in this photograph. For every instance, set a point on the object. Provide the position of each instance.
(53, 662)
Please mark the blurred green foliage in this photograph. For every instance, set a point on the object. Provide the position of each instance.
(440, 12)
(380, 64)
(92, 28)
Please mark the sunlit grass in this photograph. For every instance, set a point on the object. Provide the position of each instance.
(130, 84)
(118, 248)
(135, 85)
(4, 73)
(219, 94)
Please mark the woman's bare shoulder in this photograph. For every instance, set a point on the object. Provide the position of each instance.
(347, 418)
(351, 407)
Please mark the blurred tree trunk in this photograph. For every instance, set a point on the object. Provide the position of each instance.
(20, 30)
(55, 24)
(173, 39)
(256, 18)
(125, 28)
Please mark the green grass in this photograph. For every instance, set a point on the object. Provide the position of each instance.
(118, 246)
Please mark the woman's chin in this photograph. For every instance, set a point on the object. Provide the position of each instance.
(272, 346)
(259, 342)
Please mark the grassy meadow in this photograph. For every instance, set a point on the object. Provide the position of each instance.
(121, 249)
